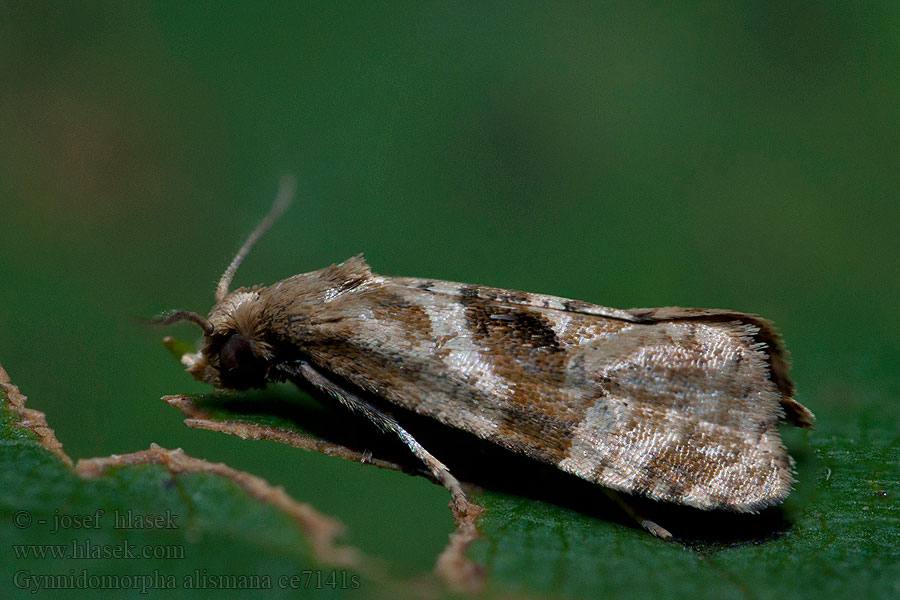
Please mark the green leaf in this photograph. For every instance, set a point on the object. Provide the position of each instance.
(840, 530)
(85, 530)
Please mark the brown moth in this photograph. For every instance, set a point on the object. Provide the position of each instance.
(676, 404)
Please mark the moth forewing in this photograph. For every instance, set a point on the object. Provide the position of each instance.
(682, 409)
(679, 405)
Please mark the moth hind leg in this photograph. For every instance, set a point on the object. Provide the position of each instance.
(385, 422)
(622, 501)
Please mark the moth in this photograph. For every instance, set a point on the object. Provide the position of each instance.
(679, 405)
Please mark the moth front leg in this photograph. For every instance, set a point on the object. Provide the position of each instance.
(387, 423)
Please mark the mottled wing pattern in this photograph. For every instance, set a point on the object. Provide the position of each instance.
(679, 405)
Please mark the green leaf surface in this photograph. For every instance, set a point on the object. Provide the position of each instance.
(840, 533)
(145, 527)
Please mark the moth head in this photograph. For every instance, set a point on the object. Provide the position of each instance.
(233, 353)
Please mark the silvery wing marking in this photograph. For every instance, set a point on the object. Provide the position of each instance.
(680, 405)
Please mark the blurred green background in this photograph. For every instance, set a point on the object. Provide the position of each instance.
(741, 156)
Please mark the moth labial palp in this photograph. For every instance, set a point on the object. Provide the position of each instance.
(678, 405)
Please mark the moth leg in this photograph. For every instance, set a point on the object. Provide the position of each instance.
(628, 507)
(389, 424)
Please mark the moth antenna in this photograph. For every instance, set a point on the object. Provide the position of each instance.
(184, 315)
(286, 189)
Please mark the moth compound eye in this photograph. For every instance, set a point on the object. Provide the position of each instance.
(241, 367)
(236, 352)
